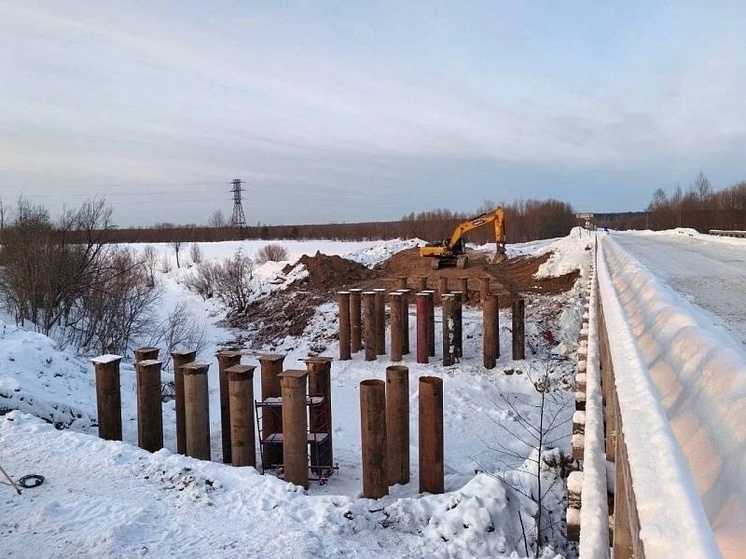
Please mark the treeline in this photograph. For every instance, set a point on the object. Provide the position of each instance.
(699, 207)
(524, 221)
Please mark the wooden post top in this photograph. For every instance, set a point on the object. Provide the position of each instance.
(355, 289)
(271, 358)
(228, 353)
(379, 289)
(240, 372)
(396, 293)
(147, 352)
(343, 292)
(373, 382)
(108, 359)
(148, 363)
(400, 369)
(187, 353)
(195, 368)
(319, 359)
(433, 381)
(293, 378)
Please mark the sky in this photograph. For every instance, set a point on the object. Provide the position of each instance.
(363, 111)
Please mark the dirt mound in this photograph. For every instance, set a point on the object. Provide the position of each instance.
(515, 275)
(332, 272)
(289, 311)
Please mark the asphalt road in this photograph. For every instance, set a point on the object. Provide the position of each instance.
(709, 272)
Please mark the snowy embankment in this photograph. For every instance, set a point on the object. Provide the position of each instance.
(681, 389)
(105, 498)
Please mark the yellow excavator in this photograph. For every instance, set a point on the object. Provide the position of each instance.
(453, 250)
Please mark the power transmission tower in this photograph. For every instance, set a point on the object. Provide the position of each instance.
(238, 219)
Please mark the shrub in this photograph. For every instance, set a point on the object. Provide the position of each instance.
(229, 281)
(273, 252)
(196, 254)
(233, 281)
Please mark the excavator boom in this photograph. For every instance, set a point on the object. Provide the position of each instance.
(451, 251)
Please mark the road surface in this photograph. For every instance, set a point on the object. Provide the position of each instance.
(709, 271)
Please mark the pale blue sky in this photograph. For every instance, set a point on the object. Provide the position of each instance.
(354, 111)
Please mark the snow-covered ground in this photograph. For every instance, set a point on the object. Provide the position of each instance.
(111, 499)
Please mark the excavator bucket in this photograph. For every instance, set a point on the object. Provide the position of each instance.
(499, 255)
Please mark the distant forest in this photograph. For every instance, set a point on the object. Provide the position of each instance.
(699, 207)
(524, 221)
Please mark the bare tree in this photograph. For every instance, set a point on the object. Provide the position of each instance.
(150, 263)
(217, 219)
(180, 329)
(176, 245)
(46, 267)
(537, 425)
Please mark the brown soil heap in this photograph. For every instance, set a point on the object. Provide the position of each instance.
(330, 272)
(515, 275)
(287, 312)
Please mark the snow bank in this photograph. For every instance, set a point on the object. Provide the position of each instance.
(594, 512)
(568, 254)
(35, 377)
(682, 397)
